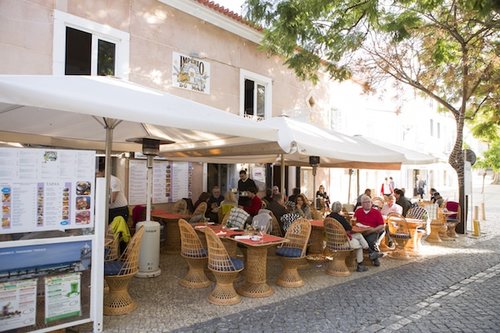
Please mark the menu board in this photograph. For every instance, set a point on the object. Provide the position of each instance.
(18, 304)
(171, 181)
(46, 189)
(62, 296)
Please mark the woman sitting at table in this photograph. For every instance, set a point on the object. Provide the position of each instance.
(302, 206)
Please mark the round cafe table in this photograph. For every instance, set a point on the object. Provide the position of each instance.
(171, 221)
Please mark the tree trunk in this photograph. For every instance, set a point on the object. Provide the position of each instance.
(456, 160)
(496, 178)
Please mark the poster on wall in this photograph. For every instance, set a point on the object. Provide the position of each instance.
(17, 304)
(62, 297)
(171, 181)
(46, 189)
(190, 73)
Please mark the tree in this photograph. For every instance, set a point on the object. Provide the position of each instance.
(449, 50)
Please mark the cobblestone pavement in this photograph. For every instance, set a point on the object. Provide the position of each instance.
(453, 293)
(453, 287)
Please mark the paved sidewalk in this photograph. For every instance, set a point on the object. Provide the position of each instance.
(454, 287)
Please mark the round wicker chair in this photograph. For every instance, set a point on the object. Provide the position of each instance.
(180, 207)
(398, 230)
(337, 243)
(452, 220)
(118, 274)
(293, 253)
(195, 255)
(225, 270)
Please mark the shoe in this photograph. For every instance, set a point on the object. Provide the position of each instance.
(361, 268)
(376, 255)
(376, 262)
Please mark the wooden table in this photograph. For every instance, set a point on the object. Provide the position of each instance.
(172, 236)
(255, 283)
(414, 245)
(224, 234)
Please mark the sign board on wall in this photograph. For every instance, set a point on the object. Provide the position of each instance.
(190, 73)
(171, 181)
(46, 189)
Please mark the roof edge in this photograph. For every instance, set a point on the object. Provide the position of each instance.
(218, 16)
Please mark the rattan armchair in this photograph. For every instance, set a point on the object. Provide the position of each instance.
(337, 243)
(225, 270)
(398, 230)
(118, 275)
(180, 207)
(316, 214)
(275, 229)
(195, 255)
(201, 209)
(293, 253)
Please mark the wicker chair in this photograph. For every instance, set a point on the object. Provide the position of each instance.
(398, 230)
(293, 253)
(201, 209)
(225, 270)
(118, 275)
(195, 255)
(337, 243)
(452, 220)
(180, 207)
(316, 214)
(276, 229)
(112, 245)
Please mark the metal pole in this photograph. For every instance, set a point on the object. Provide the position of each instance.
(349, 190)
(150, 187)
(282, 166)
(357, 182)
(107, 173)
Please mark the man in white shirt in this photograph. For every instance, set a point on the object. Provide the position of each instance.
(391, 206)
(118, 204)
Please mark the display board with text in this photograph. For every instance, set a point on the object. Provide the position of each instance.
(171, 181)
(46, 189)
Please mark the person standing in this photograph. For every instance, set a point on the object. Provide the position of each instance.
(244, 186)
(421, 187)
(118, 204)
(385, 189)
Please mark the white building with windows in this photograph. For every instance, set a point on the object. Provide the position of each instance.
(195, 49)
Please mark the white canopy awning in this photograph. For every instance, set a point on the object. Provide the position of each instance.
(71, 111)
(297, 141)
(410, 156)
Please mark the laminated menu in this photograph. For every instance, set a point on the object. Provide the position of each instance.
(46, 189)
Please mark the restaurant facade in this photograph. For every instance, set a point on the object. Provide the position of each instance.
(200, 51)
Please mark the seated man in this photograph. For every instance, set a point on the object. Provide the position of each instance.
(357, 241)
(391, 206)
(255, 203)
(373, 222)
(403, 201)
(277, 206)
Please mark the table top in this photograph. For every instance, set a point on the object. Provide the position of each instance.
(317, 223)
(167, 215)
(266, 240)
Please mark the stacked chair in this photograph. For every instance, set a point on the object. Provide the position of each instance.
(195, 255)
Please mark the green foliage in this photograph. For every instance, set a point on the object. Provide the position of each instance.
(490, 158)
